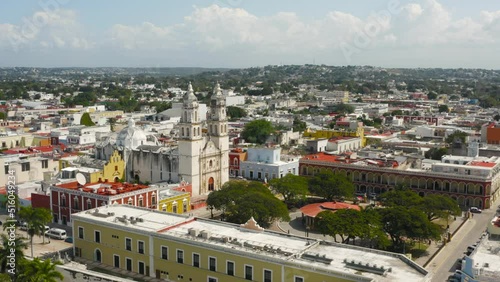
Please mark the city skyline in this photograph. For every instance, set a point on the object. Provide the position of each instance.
(236, 33)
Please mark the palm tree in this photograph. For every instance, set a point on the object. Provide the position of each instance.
(38, 270)
(19, 246)
(36, 218)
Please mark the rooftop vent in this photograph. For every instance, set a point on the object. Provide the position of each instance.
(205, 234)
(317, 258)
(193, 232)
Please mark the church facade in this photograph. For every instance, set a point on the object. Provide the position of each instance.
(199, 159)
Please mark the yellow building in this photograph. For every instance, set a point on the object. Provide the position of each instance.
(325, 133)
(181, 248)
(112, 170)
(174, 201)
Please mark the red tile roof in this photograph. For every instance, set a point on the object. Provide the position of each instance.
(107, 188)
(482, 164)
(312, 210)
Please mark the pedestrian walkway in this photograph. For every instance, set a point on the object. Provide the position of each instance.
(296, 227)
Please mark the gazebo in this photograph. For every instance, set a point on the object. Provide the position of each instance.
(310, 211)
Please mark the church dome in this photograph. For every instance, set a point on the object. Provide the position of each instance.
(132, 137)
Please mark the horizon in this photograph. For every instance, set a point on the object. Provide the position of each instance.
(240, 34)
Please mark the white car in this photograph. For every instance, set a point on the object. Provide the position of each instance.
(475, 210)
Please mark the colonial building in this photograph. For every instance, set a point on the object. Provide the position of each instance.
(267, 163)
(174, 247)
(471, 181)
(200, 159)
(72, 197)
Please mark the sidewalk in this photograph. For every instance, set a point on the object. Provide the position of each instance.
(296, 227)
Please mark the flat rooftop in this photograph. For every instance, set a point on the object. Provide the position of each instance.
(486, 258)
(327, 257)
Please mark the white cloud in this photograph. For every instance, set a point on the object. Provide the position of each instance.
(45, 29)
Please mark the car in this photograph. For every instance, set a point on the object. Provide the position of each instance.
(475, 210)
(69, 240)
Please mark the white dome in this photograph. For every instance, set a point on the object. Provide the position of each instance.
(132, 137)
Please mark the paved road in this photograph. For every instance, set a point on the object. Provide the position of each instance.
(444, 264)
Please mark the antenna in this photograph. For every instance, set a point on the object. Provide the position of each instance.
(80, 178)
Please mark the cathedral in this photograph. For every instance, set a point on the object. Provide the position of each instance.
(199, 159)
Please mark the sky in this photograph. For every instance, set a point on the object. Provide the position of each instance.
(249, 33)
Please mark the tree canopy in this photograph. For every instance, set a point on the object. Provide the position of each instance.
(236, 112)
(298, 125)
(331, 186)
(291, 187)
(86, 120)
(239, 200)
(257, 131)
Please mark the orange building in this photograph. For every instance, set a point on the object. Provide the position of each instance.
(492, 133)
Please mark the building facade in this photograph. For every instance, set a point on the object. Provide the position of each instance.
(267, 163)
(181, 248)
(72, 197)
(471, 181)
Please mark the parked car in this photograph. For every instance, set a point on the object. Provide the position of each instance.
(56, 233)
(475, 210)
(69, 240)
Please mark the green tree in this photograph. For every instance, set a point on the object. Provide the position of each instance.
(36, 219)
(344, 108)
(331, 186)
(257, 131)
(456, 136)
(439, 206)
(496, 117)
(86, 120)
(5, 250)
(401, 197)
(432, 95)
(236, 112)
(3, 116)
(38, 270)
(291, 187)
(112, 123)
(397, 113)
(443, 109)
(241, 200)
(298, 125)
(436, 153)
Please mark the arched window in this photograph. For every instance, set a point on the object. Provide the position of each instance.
(63, 200)
(211, 184)
(235, 161)
(182, 132)
(75, 203)
(130, 201)
(185, 116)
(195, 116)
(187, 132)
(98, 255)
(153, 198)
(210, 163)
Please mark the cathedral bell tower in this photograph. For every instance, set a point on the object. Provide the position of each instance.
(217, 130)
(190, 141)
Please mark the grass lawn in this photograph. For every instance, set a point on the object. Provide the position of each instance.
(418, 250)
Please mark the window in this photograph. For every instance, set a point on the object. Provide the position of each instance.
(268, 275)
(116, 261)
(116, 168)
(141, 201)
(212, 279)
(89, 204)
(6, 169)
(129, 264)
(25, 166)
(212, 264)
(45, 163)
(248, 272)
(298, 279)
(153, 199)
(128, 244)
(184, 207)
(174, 208)
(230, 268)
(251, 174)
(180, 256)
(97, 236)
(140, 247)
(196, 260)
(164, 252)
(130, 201)
(80, 232)
(75, 203)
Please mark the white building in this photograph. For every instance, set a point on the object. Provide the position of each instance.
(85, 135)
(27, 168)
(268, 163)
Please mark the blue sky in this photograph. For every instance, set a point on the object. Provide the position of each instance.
(239, 33)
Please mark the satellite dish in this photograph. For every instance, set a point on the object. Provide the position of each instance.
(80, 178)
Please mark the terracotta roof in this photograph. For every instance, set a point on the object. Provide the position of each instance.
(104, 188)
(482, 164)
(312, 210)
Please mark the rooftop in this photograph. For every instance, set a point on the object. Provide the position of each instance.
(103, 188)
(326, 257)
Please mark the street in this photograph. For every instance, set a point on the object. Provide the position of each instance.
(444, 264)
